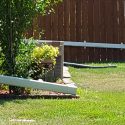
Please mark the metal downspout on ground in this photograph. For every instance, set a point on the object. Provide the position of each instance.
(38, 84)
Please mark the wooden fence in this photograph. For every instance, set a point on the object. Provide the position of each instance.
(86, 20)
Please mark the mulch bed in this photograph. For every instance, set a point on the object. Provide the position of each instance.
(4, 92)
(49, 95)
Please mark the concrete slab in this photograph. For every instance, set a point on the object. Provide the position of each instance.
(67, 77)
(66, 73)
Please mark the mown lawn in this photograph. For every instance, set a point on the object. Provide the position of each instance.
(102, 102)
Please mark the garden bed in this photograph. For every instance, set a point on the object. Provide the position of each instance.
(36, 94)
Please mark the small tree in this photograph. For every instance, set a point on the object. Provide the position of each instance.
(15, 17)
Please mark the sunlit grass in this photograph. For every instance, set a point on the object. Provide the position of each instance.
(97, 105)
(103, 79)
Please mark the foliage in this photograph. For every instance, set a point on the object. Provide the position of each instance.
(1, 61)
(15, 17)
(43, 58)
(23, 59)
(45, 52)
(23, 63)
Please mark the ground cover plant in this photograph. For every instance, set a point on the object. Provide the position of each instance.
(101, 102)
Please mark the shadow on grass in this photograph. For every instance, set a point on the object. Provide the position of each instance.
(9, 97)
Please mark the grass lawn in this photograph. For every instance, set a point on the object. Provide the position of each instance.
(102, 102)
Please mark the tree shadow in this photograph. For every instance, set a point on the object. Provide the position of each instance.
(10, 97)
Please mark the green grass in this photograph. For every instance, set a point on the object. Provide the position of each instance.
(98, 104)
(103, 79)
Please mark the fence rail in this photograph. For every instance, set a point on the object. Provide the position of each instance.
(85, 20)
(95, 45)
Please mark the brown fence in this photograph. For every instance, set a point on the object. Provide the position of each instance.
(90, 20)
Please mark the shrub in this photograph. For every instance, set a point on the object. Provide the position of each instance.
(23, 63)
(15, 18)
(45, 52)
(23, 59)
(43, 58)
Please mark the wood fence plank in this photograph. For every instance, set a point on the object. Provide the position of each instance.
(73, 50)
(67, 54)
(67, 28)
(90, 28)
(121, 28)
(115, 29)
(79, 30)
(108, 27)
(66, 20)
(96, 29)
(85, 36)
(48, 28)
(54, 24)
(78, 20)
(42, 26)
(61, 22)
(36, 23)
(73, 54)
(102, 19)
(72, 20)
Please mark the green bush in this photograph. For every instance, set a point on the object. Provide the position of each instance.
(45, 52)
(43, 58)
(15, 18)
(23, 63)
(23, 59)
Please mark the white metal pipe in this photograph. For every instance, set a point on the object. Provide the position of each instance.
(37, 84)
(95, 45)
